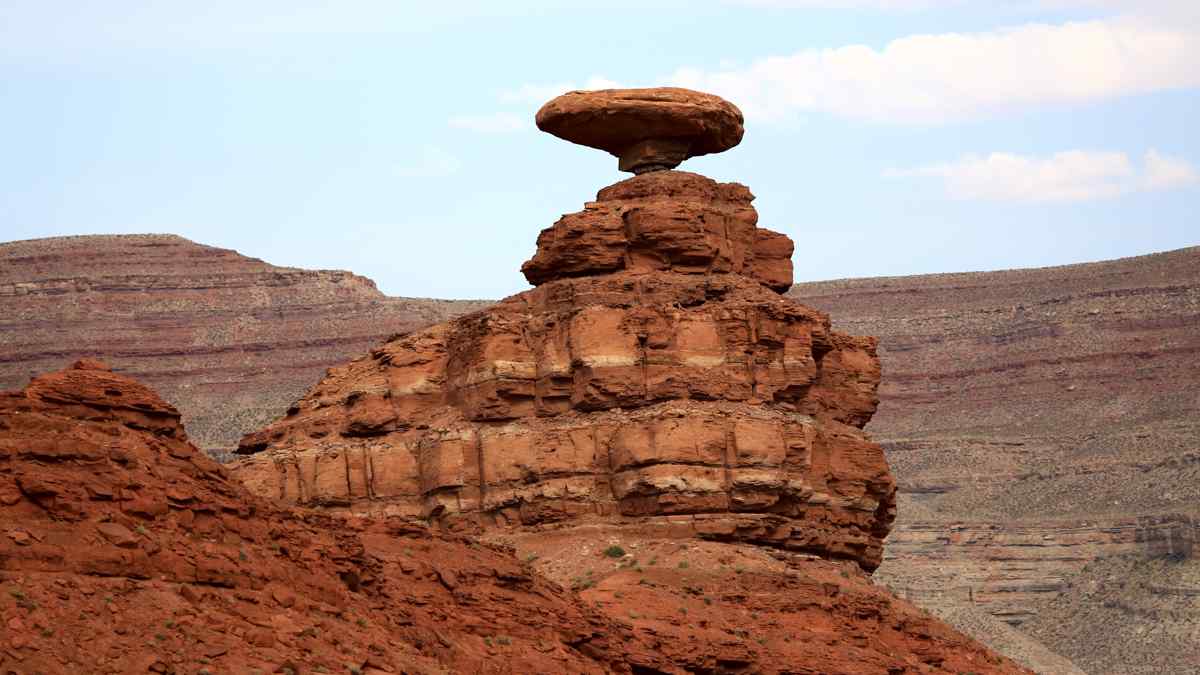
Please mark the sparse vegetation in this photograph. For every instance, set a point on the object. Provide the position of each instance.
(614, 551)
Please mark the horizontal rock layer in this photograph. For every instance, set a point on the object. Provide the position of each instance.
(664, 221)
(627, 394)
(1046, 411)
(228, 339)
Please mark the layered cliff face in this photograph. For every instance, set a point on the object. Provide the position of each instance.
(123, 549)
(1037, 421)
(228, 339)
(637, 394)
(653, 425)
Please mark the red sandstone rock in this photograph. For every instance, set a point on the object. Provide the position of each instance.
(647, 129)
(96, 580)
(633, 395)
(664, 221)
(128, 550)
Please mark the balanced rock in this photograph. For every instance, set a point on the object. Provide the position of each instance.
(647, 129)
(653, 424)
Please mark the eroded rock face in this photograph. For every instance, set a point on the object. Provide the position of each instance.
(124, 549)
(664, 221)
(647, 395)
(653, 390)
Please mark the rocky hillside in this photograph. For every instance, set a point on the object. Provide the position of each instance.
(230, 340)
(125, 549)
(1038, 421)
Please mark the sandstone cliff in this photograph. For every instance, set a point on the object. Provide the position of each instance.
(228, 339)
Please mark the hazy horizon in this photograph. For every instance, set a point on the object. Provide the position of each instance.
(396, 140)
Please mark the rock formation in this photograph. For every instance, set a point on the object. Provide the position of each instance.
(654, 390)
(229, 340)
(647, 129)
(650, 373)
(124, 549)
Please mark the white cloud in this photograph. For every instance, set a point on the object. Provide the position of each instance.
(1166, 173)
(430, 162)
(492, 123)
(952, 76)
(1073, 175)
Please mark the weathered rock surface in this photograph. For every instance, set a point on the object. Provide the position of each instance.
(664, 221)
(1037, 421)
(643, 395)
(648, 129)
(229, 340)
(124, 549)
(1148, 609)
(722, 607)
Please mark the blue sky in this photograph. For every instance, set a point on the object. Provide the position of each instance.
(396, 139)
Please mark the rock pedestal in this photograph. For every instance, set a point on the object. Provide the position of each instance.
(654, 373)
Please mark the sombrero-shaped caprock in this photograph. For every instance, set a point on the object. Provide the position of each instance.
(647, 129)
